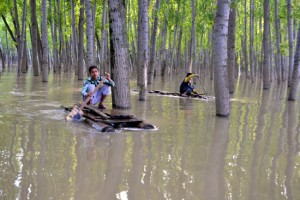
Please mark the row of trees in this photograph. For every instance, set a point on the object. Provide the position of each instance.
(221, 38)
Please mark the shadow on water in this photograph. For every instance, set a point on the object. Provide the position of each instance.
(253, 154)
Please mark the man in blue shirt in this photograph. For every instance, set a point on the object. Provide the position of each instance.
(91, 82)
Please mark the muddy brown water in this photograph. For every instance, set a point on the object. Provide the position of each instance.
(253, 154)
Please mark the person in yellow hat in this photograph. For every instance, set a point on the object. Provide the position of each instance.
(186, 87)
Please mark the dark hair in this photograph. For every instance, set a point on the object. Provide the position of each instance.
(92, 67)
(188, 74)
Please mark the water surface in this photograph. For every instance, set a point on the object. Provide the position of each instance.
(253, 154)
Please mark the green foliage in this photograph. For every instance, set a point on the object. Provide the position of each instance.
(171, 13)
(284, 48)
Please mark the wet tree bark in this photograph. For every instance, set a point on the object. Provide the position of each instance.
(80, 41)
(17, 32)
(296, 70)
(171, 57)
(231, 47)
(142, 48)
(22, 43)
(245, 47)
(119, 56)
(251, 56)
(219, 58)
(266, 46)
(103, 37)
(62, 60)
(89, 34)
(278, 53)
(34, 39)
(164, 50)
(291, 40)
(153, 43)
(54, 37)
(74, 56)
(193, 38)
(2, 56)
(44, 42)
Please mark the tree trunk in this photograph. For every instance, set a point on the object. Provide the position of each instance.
(153, 43)
(164, 49)
(2, 56)
(278, 54)
(54, 37)
(89, 34)
(266, 46)
(231, 47)
(171, 57)
(252, 61)
(44, 41)
(74, 39)
(193, 38)
(22, 48)
(80, 42)
(62, 60)
(103, 36)
(34, 39)
(119, 56)
(17, 33)
(219, 58)
(245, 47)
(291, 39)
(142, 48)
(296, 70)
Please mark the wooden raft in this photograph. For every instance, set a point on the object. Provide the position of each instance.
(109, 120)
(198, 96)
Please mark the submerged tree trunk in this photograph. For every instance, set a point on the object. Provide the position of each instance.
(291, 39)
(119, 56)
(89, 34)
(153, 43)
(34, 38)
(22, 42)
(142, 48)
(80, 41)
(193, 38)
(219, 58)
(74, 39)
(278, 54)
(296, 70)
(103, 37)
(245, 46)
(44, 41)
(164, 49)
(266, 46)
(252, 61)
(231, 47)
(54, 37)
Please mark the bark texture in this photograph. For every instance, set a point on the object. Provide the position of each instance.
(119, 55)
(142, 48)
(295, 78)
(219, 58)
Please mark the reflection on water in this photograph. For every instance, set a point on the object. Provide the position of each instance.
(253, 154)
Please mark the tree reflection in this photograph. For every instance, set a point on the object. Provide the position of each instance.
(214, 187)
(115, 167)
(292, 149)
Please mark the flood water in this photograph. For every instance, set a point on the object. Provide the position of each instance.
(253, 154)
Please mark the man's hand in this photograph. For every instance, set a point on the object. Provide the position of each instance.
(88, 95)
(107, 76)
